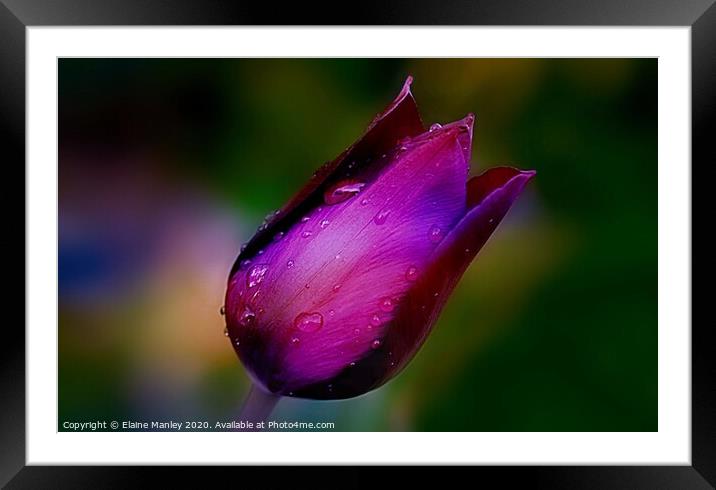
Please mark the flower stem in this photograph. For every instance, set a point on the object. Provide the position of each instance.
(258, 406)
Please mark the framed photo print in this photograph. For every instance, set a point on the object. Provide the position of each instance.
(454, 236)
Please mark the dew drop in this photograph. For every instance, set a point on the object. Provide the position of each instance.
(491, 220)
(278, 236)
(247, 317)
(375, 344)
(256, 275)
(305, 219)
(364, 202)
(324, 223)
(260, 252)
(222, 311)
(243, 246)
(226, 332)
(336, 288)
(435, 234)
(375, 320)
(295, 340)
(435, 127)
(308, 322)
(245, 263)
(306, 234)
(289, 264)
(381, 217)
(356, 331)
(412, 273)
(342, 191)
(386, 304)
(352, 364)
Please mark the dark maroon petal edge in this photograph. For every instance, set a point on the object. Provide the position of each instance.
(490, 196)
(399, 120)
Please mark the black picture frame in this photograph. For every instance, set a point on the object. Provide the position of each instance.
(700, 15)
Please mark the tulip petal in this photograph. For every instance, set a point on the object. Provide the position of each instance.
(350, 273)
(490, 196)
(399, 120)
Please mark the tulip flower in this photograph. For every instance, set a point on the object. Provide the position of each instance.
(338, 290)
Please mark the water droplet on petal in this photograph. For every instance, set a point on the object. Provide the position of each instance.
(289, 264)
(243, 246)
(308, 322)
(324, 223)
(222, 311)
(381, 217)
(375, 320)
(278, 236)
(336, 288)
(245, 263)
(435, 127)
(352, 364)
(356, 331)
(342, 191)
(412, 273)
(305, 219)
(375, 344)
(247, 317)
(260, 252)
(386, 304)
(306, 234)
(435, 234)
(226, 332)
(364, 202)
(256, 275)
(295, 340)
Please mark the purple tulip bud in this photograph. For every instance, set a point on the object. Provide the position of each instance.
(338, 290)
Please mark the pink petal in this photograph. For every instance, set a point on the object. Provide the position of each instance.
(353, 272)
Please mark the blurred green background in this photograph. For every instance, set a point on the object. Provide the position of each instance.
(167, 165)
